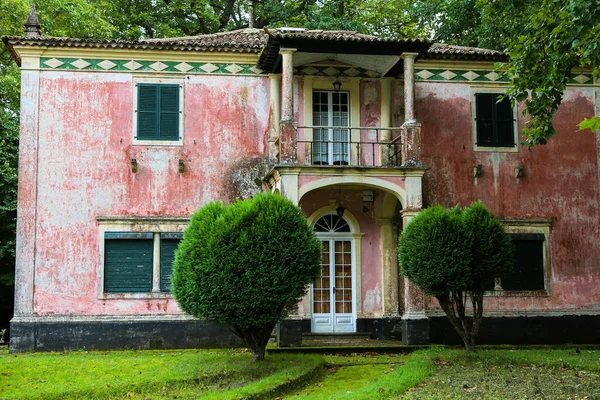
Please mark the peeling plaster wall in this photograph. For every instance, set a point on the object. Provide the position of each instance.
(371, 272)
(560, 182)
(86, 132)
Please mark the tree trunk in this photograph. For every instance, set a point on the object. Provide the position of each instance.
(256, 338)
(454, 308)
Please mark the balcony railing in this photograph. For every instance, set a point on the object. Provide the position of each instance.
(349, 146)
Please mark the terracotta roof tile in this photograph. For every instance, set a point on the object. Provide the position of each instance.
(452, 52)
(242, 41)
(256, 40)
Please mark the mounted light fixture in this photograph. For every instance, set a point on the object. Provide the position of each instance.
(337, 85)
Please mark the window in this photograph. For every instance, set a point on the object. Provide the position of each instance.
(158, 115)
(531, 272)
(139, 262)
(331, 146)
(494, 122)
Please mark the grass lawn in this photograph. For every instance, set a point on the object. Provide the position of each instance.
(513, 374)
(490, 373)
(186, 374)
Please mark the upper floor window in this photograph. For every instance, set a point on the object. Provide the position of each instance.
(331, 143)
(494, 122)
(158, 109)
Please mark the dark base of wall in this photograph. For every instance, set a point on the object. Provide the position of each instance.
(109, 335)
(168, 334)
(524, 330)
(378, 328)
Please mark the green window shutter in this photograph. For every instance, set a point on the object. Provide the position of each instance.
(147, 111)
(484, 117)
(128, 262)
(169, 112)
(504, 123)
(158, 112)
(528, 272)
(168, 244)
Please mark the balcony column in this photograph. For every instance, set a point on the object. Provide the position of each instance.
(288, 131)
(275, 115)
(411, 129)
(415, 324)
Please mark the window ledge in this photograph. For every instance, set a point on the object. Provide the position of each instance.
(163, 143)
(135, 296)
(517, 293)
(514, 149)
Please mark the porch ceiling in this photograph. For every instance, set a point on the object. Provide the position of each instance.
(378, 63)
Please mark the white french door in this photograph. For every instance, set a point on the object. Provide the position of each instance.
(331, 146)
(333, 293)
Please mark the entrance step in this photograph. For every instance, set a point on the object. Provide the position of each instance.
(337, 339)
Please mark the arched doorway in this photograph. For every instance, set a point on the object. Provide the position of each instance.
(334, 293)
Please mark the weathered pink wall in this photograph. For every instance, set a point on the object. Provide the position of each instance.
(371, 272)
(84, 172)
(560, 183)
(370, 116)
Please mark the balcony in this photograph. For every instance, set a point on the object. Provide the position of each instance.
(349, 146)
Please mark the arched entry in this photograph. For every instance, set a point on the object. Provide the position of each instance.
(334, 293)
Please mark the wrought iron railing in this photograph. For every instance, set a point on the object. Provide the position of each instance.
(350, 146)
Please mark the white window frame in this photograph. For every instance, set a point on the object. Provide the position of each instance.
(496, 90)
(538, 226)
(158, 81)
(132, 224)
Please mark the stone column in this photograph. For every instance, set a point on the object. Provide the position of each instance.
(390, 268)
(275, 109)
(415, 324)
(411, 129)
(409, 87)
(288, 129)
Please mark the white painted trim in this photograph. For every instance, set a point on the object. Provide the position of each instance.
(492, 88)
(367, 181)
(162, 80)
(354, 237)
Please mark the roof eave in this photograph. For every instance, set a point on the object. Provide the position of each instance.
(12, 50)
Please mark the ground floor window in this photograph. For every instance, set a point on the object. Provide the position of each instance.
(139, 262)
(531, 271)
(136, 256)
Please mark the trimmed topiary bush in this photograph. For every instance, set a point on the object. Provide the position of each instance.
(451, 254)
(246, 265)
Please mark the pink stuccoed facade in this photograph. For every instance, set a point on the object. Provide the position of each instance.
(257, 111)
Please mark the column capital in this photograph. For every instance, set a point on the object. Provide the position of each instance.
(286, 50)
(409, 55)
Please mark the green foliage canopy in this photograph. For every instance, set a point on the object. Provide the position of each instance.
(558, 37)
(452, 254)
(246, 265)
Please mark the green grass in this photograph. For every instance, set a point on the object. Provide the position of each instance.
(348, 374)
(218, 374)
(514, 374)
(491, 372)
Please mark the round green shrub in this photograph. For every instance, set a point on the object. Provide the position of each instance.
(247, 264)
(435, 251)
